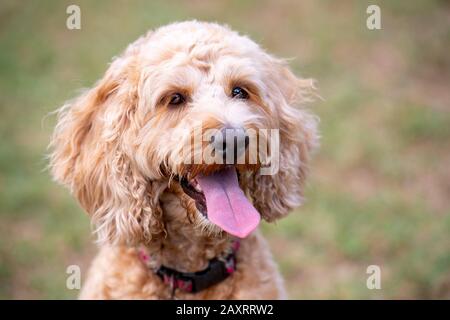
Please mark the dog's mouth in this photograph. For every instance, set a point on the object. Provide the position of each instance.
(195, 192)
(219, 198)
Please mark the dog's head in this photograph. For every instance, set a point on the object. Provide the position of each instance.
(193, 107)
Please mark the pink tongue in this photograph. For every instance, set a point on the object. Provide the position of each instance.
(227, 204)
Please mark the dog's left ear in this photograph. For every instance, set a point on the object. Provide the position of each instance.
(275, 195)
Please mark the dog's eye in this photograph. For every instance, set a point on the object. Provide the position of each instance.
(239, 93)
(176, 99)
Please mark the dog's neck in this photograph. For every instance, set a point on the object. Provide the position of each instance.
(186, 247)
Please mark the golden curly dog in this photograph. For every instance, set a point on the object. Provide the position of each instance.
(168, 228)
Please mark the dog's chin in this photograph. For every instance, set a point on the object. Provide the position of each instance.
(206, 227)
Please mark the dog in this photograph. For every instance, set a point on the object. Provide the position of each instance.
(169, 227)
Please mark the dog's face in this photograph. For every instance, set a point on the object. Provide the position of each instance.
(186, 108)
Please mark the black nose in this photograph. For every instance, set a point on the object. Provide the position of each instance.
(231, 143)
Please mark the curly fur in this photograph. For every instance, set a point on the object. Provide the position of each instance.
(118, 147)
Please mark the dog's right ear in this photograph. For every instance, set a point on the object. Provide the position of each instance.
(92, 155)
(75, 126)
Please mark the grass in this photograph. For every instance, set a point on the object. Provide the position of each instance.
(379, 192)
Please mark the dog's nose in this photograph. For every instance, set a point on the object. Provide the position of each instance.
(231, 143)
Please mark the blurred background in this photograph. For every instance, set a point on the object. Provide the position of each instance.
(379, 192)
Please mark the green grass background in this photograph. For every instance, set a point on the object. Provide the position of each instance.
(379, 192)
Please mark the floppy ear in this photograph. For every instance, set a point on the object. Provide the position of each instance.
(275, 195)
(92, 155)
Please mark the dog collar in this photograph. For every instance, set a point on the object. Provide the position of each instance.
(218, 269)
